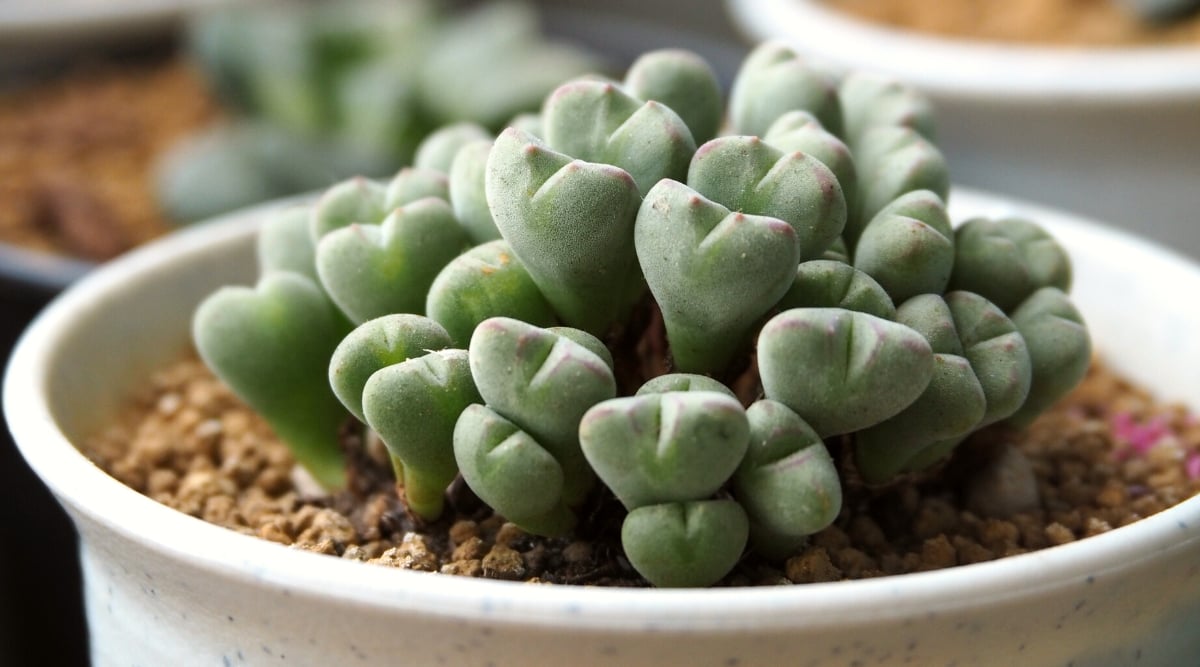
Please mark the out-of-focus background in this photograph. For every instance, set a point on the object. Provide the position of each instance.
(122, 120)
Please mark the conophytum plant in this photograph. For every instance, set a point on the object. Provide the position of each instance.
(611, 298)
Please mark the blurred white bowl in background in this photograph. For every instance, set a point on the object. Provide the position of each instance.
(1112, 133)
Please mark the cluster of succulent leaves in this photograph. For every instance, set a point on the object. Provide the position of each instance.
(467, 310)
(326, 90)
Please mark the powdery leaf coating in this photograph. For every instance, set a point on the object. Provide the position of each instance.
(544, 382)
(1059, 348)
(284, 243)
(376, 344)
(571, 224)
(413, 183)
(271, 345)
(660, 448)
(748, 175)
(824, 283)
(1007, 260)
(893, 161)
(414, 406)
(468, 195)
(437, 150)
(801, 131)
(772, 81)
(683, 81)
(842, 371)
(373, 270)
(596, 121)
(683, 382)
(908, 247)
(357, 200)
(510, 471)
(871, 100)
(486, 281)
(714, 273)
(690, 544)
(787, 482)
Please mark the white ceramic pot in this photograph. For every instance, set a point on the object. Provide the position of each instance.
(163, 588)
(1111, 133)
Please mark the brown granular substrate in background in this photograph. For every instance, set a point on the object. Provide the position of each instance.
(1106, 456)
(77, 151)
(1099, 23)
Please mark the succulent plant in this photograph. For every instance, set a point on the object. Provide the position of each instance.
(591, 305)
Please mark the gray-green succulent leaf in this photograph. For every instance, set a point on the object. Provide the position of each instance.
(1007, 260)
(713, 272)
(271, 344)
(871, 100)
(748, 175)
(544, 382)
(486, 281)
(411, 184)
(438, 149)
(468, 192)
(908, 247)
(683, 81)
(357, 200)
(376, 344)
(787, 483)
(687, 544)
(892, 161)
(982, 375)
(840, 370)
(683, 382)
(510, 471)
(414, 406)
(660, 448)
(774, 80)
(285, 244)
(570, 223)
(825, 283)
(373, 270)
(801, 131)
(1060, 349)
(599, 122)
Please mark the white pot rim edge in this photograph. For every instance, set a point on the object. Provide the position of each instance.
(89, 491)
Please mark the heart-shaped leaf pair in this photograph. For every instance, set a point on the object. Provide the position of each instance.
(374, 270)
(596, 121)
(662, 448)
(787, 483)
(271, 345)
(981, 375)
(571, 224)
(908, 247)
(688, 544)
(714, 273)
(414, 407)
(543, 382)
(774, 80)
(839, 370)
(1007, 260)
(748, 175)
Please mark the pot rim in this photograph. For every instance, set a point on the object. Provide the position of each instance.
(89, 492)
(1001, 73)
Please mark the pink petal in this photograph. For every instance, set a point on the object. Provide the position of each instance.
(1192, 465)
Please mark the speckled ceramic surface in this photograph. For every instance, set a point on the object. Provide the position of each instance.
(1112, 133)
(163, 588)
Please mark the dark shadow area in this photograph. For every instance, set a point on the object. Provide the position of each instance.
(41, 602)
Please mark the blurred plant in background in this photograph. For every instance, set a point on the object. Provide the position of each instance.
(321, 91)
